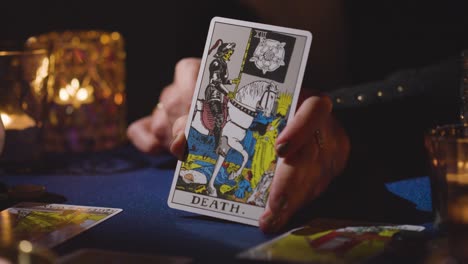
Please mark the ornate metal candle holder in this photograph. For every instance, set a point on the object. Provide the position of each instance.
(86, 90)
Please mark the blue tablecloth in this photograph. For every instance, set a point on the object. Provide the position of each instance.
(416, 190)
(140, 186)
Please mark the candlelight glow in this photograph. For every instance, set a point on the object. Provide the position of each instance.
(451, 177)
(16, 121)
(105, 39)
(118, 99)
(458, 210)
(25, 246)
(115, 36)
(459, 178)
(75, 84)
(84, 90)
(461, 164)
(82, 94)
(6, 228)
(41, 73)
(75, 94)
(6, 119)
(63, 94)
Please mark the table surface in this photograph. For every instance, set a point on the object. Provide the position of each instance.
(139, 184)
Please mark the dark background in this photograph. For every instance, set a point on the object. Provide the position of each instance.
(381, 36)
(393, 35)
(156, 34)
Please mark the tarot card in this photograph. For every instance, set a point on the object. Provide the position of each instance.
(328, 241)
(247, 90)
(49, 224)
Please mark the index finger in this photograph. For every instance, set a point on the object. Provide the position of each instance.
(177, 97)
(309, 118)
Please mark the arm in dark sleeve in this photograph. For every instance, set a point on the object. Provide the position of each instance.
(386, 120)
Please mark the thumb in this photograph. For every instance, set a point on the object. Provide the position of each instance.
(179, 147)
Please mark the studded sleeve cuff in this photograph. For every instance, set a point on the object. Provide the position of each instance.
(441, 80)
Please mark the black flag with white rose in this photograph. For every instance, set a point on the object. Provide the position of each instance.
(269, 54)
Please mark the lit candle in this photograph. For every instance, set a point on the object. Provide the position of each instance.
(75, 94)
(25, 249)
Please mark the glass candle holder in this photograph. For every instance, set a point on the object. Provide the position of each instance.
(86, 90)
(448, 152)
(23, 75)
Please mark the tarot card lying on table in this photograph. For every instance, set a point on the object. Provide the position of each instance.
(49, 224)
(331, 241)
(247, 90)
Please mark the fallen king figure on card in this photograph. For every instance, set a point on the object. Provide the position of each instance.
(234, 122)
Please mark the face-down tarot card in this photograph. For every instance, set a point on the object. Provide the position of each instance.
(247, 90)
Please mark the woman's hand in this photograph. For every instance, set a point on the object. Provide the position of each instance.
(314, 149)
(154, 134)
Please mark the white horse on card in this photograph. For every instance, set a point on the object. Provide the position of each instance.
(257, 96)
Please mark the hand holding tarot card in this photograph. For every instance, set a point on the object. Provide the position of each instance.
(247, 90)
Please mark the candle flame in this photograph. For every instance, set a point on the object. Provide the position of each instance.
(75, 84)
(6, 119)
(82, 94)
(75, 94)
(25, 246)
(63, 94)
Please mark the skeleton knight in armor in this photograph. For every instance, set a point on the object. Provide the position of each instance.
(216, 91)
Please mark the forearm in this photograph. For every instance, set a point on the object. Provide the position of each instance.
(440, 80)
(386, 120)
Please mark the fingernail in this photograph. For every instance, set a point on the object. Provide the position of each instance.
(270, 223)
(177, 138)
(268, 219)
(282, 149)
